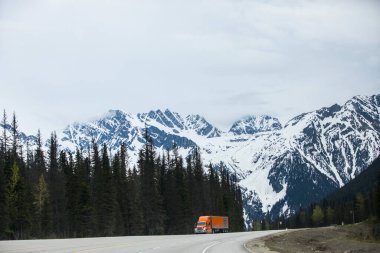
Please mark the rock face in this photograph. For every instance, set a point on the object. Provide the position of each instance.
(280, 168)
(255, 124)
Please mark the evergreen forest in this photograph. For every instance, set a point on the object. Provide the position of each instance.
(51, 193)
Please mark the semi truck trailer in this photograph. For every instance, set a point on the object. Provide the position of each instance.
(212, 224)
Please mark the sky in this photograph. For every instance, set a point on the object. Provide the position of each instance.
(63, 61)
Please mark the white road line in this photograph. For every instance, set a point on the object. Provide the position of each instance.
(246, 248)
(212, 245)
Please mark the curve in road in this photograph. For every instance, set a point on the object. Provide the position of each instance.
(214, 243)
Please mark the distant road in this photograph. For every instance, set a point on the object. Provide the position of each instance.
(215, 243)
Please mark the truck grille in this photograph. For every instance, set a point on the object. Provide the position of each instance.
(199, 230)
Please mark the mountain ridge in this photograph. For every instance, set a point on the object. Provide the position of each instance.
(280, 168)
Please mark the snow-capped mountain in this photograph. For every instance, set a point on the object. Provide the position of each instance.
(255, 124)
(117, 127)
(281, 168)
(314, 154)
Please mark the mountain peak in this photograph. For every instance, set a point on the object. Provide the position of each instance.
(201, 126)
(255, 124)
(112, 113)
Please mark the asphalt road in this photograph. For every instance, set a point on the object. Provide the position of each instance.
(214, 243)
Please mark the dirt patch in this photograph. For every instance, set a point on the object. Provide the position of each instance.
(339, 239)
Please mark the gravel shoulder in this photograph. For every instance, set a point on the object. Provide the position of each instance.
(335, 239)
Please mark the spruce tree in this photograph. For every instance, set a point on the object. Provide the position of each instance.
(377, 196)
(56, 186)
(19, 210)
(198, 187)
(84, 208)
(39, 164)
(43, 208)
(14, 127)
(4, 196)
(97, 188)
(4, 142)
(71, 189)
(153, 213)
(120, 184)
(189, 182)
(135, 210)
(66, 165)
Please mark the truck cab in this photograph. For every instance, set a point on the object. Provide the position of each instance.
(203, 226)
(211, 224)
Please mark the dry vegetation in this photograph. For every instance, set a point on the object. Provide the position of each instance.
(343, 239)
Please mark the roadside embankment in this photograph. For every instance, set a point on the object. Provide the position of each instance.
(334, 239)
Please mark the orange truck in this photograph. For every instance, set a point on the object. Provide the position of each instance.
(211, 224)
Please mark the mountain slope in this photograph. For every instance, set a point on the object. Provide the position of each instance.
(280, 169)
(365, 182)
(314, 154)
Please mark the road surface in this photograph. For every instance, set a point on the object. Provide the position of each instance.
(214, 243)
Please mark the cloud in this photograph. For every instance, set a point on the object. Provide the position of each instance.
(66, 60)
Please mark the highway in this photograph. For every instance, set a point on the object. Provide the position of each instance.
(213, 243)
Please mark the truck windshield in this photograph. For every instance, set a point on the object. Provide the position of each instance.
(201, 223)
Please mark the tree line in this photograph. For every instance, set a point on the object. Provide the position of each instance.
(58, 194)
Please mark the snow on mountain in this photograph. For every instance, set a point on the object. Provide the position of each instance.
(281, 168)
(314, 154)
(255, 124)
(24, 140)
(116, 127)
(201, 126)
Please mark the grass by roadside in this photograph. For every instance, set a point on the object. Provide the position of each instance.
(343, 239)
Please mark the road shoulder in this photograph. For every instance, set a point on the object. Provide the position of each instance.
(258, 245)
(350, 238)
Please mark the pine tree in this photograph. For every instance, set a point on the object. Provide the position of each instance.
(123, 195)
(135, 212)
(56, 186)
(213, 190)
(71, 189)
(84, 208)
(97, 188)
(19, 210)
(67, 171)
(317, 216)
(4, 124)
(43, 208)
(109, 197)
(39, 164)
(175, 196)
(189, 182)
(153, 213)
(330, 215)
(119, 180)
(14, 127)
(360, 206)
(4, 196)
(198, 187)
(237, 207)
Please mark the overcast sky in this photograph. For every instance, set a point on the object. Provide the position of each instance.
(72, 60)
